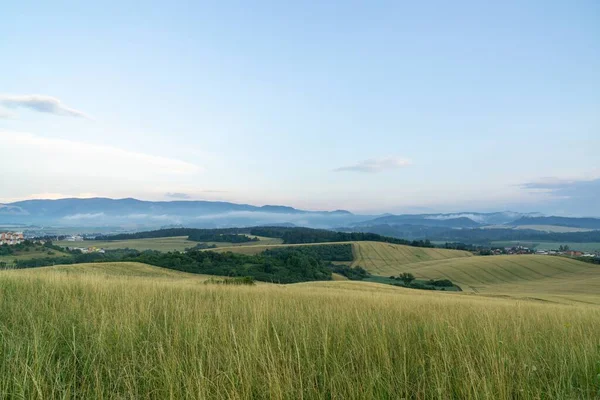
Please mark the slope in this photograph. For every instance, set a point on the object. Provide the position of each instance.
(545, 277)
(385, 258)
(109, 269)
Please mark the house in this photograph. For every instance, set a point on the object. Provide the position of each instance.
(574, 253)
(11, 238)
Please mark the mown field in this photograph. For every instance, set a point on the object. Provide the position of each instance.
(384, 258)
(543, 277)
(372, 253)
(135, 331)
(178, 243)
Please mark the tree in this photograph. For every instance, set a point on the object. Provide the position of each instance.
(406, 277)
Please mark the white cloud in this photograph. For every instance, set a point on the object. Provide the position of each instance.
(5, 114)
(374, 165)
(41, 103)
(56, 166)
(72, 156)
(178, 195)
(77, 217)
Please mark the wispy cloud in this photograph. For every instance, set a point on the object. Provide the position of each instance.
(60, 157)
(175, 195)
(5, 114)
(375, 165)
(569, 196)
(41, 103)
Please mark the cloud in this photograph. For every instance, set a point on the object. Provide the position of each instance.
(375, 165)
(41, 103)
(77, 217)
(175, 195)
(566, 187)
(569, 196)
(79, 158)
(5, 114)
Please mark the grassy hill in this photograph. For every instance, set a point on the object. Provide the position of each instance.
(76, 331)
(544, 277)
(385, 258)
(116, 269)
(372, 253)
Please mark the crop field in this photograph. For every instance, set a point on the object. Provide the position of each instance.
(371, 253)
(178, 243)
(149, 334)
(543, 277)
(385, 258)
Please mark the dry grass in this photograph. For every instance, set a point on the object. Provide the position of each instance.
(88, 334)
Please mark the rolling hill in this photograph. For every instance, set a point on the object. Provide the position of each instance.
(134, 331)
(545, 277)
(380, 258)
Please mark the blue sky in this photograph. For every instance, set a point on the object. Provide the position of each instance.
(367, 106)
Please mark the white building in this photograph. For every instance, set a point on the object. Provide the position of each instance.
(11, 238)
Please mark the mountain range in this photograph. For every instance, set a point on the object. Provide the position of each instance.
(136, 214)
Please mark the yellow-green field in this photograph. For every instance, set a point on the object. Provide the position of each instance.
(371, 253)
(543, 277)
(384, 258)
(154, 334)
(178, 243)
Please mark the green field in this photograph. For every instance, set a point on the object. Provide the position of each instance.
(178, 243)
(37, 252)
(591, 247)
(134, 331)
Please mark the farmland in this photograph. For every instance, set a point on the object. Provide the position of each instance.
(543, 277)
(178, 243)
(135, 331)
(384, 258)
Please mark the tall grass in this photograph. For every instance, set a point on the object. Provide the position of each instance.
(120, 337)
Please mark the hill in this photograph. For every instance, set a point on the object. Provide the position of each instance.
(73, 334)
(116, 269)
(545, 277)
(383, 258)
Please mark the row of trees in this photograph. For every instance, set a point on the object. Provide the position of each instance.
(309, 235)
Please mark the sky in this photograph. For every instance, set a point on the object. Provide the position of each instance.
(381, 106)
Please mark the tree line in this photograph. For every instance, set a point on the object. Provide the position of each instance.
(309, 235)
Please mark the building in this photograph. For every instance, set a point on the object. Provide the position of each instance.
(11, 238)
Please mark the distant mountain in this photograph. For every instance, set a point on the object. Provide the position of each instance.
(460, 222)
(453, 220)
(585, 223)
(97, 212)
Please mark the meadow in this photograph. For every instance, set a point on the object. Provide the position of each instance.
(177, 243)
(131, 331)
(32, 253)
